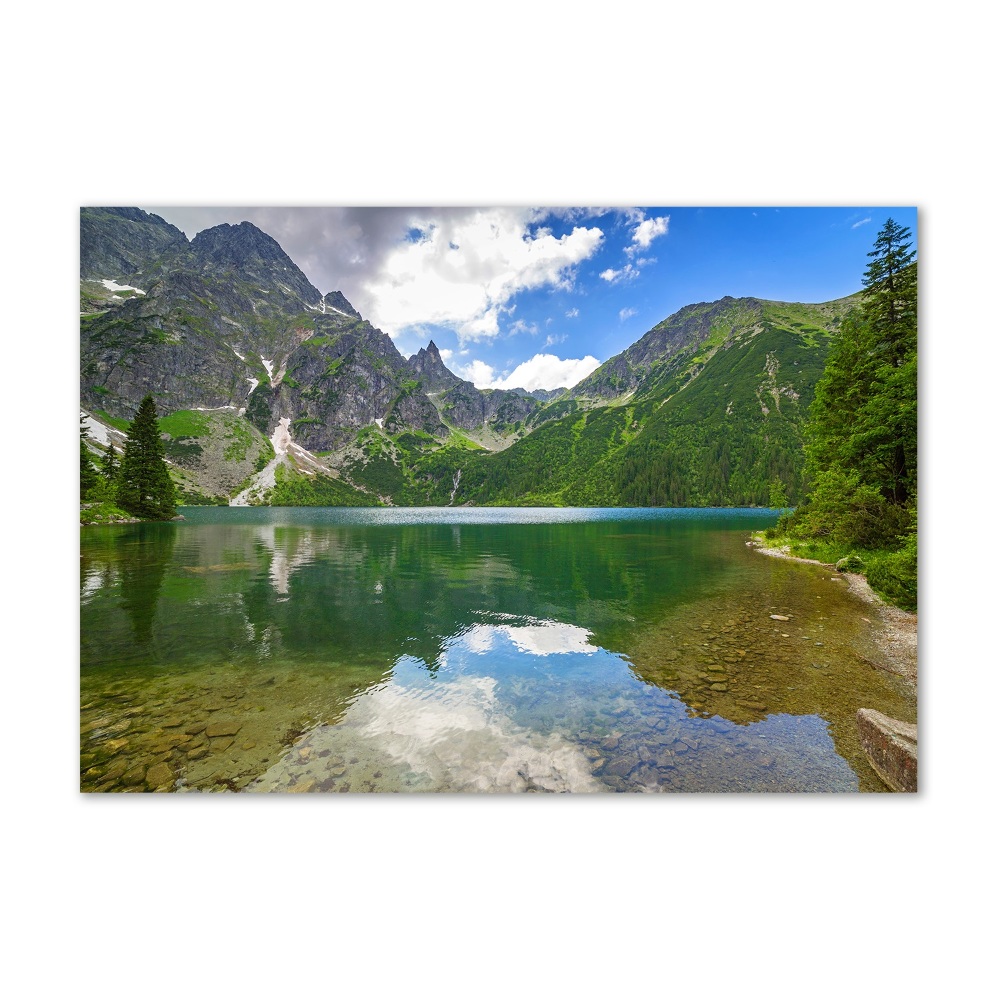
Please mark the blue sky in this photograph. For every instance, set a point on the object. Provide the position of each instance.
(539, 297)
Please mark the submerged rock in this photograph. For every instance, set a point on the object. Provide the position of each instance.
(229, 727)
(623, 766)
(159, 776)
(891, 748)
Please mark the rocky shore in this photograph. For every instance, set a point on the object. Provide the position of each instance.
(894, 631)
(102, 517)
(890, 744)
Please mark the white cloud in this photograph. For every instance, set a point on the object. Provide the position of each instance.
(861, 223)
(477, 372)
(647, 231)
(543, 371)
(546, 371)
(554, 338)
(626, 313)
(574, 214)
(549, 637)
(543, 638)
(446, 353)
(398, 265)
(627, 273)
(573, 313)
(519, 326)
(462, 269)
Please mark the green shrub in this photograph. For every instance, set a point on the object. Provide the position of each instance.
(893, 575)
(851, 563)
(843, 510)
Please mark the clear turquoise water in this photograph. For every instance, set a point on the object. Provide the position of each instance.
(513, 649)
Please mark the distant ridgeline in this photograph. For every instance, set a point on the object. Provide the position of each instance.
(271, 392)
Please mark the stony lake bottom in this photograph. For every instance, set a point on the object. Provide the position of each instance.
(469, 649)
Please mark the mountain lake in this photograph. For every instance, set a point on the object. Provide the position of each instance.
(399, 649)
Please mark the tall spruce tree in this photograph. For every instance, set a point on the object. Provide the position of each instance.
(861, 443)
(887, 426)
(109, 464)
(144, 487)
(88, 475)
(890, 294)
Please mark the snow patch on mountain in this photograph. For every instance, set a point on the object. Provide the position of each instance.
(113, 286)
(95, 429)
(281, 438)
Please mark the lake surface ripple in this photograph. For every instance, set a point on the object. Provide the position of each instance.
(469, 649)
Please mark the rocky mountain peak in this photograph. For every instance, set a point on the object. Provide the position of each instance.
(249, 250)
(137, 215)
(338, 301)
(226, 244)
(683, 330)
(428, 366)
(118, 242)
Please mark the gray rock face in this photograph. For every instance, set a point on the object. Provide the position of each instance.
(116, 242)
(891, 748)
(463, 405)
(542, 395)
(347, 376)
(229, 321)
(336, 300)
(214, 311)
(246, 251)
(429, 368)
(469, 408)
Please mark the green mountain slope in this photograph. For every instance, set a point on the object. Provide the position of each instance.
(714, 419)
(271, 392)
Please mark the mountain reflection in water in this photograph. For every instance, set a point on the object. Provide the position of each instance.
(498, 715)
(466, 650)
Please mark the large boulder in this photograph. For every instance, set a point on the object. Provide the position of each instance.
(891, 747)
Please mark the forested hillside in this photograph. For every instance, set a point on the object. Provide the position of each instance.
(861, 440)
(715, 420)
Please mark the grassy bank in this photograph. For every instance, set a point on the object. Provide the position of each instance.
(104, 512)
(891, 573)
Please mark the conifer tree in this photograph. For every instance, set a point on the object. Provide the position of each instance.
(109, 465)
(862, 435)
(88, 476)
(886, 434)
(890, 293)
(144, 487)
